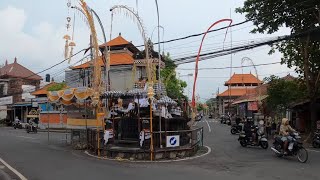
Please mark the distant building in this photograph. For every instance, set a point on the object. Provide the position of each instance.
(127, 67)
(248, 104)
(15, 84)
(49, 111)
(238, 85)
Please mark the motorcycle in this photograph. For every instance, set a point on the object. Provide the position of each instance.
(17, 125)
(31, 128)
(236, 129)
(295, 147)
(248, 140)
(316, 140)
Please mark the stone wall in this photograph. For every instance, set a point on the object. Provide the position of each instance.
(15, 87)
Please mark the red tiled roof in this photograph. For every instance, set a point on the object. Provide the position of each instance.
(243, 79)
(236, 92)
(259, 92)
(18, 71)
(115, 59)
(43, 90)
(116, 42)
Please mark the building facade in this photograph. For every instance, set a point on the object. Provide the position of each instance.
(15, 86)
(127, 67)
(237, 86)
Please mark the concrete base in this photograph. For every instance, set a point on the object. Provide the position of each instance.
(115, 152)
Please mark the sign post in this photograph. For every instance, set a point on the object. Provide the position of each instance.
(173, 141)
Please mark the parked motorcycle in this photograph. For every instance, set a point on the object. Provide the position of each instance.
(31, 128)
(295, 147)
(17, 125)
(316, 140)
(236, 129)
(248, 140)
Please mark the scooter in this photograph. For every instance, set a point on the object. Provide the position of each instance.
(31, 128)
(316, 140)
(248, 140)
(17, 125)
(295, 148)
(236, 129)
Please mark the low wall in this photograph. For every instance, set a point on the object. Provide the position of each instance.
(55, 119)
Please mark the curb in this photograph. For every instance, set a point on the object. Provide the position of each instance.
(4, 175)
(53, 130)
(161, 161)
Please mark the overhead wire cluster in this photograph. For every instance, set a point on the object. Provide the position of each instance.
(209, 53)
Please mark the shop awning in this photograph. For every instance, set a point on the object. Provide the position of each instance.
(70, 96)
(250, 99)
(20, 104)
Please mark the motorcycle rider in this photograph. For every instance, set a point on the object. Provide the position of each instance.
(249, 130)
(285, 130)
(17, 120)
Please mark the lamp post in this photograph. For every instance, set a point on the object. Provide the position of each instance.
(162, 35)
(159, 71)
(189, 75)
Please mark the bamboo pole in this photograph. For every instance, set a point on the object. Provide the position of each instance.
(151, 132)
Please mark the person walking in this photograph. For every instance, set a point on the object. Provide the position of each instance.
(268, 127)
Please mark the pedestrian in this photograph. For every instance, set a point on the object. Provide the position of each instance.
(268, 127)
(273, 128)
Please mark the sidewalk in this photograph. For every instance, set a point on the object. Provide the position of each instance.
(55, 130)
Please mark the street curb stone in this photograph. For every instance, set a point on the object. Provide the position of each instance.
(4, 175)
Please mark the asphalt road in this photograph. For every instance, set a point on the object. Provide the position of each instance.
(34, 158)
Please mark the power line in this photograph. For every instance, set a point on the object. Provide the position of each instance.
(219, 53)
(53, 65)
(225, 27)
(210, 68)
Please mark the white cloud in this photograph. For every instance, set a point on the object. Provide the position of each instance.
(12, 19)
(40, 48)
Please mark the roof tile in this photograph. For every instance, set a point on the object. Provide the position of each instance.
(18, 71)
(236, 92)
(115, 59)
(243, 79)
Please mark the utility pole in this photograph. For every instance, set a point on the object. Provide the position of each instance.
(159, 70)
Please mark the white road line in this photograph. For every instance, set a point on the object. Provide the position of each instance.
(313, 150)
(208, 125)
(26, 137)
(13, 170)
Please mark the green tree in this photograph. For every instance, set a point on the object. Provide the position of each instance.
(173, 85)
(282, 93)
(200, 107)
(301, 52)
(57, 86)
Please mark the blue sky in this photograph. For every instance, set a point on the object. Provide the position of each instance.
(32, 31)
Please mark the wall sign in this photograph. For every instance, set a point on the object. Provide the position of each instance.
(173, 141)
(6, 100)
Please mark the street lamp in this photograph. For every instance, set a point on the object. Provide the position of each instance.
(162, 35)
(159, 69)
(189, 75)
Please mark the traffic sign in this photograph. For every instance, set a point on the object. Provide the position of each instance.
(173, 141)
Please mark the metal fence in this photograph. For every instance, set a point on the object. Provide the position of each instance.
(178, 139)
(170, 140)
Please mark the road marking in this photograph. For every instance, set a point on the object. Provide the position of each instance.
(313, 150)
(208, 125)
(13, 170)
(26, 137)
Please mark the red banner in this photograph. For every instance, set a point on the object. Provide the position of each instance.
(253, 106)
